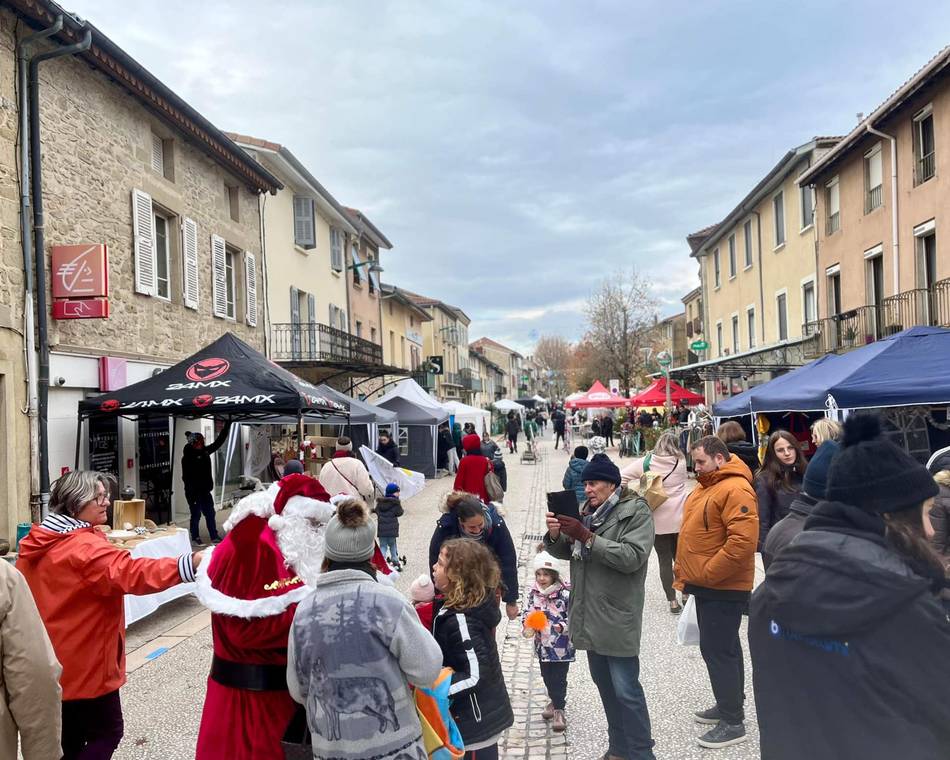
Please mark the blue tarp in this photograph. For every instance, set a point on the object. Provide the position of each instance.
(909, 368)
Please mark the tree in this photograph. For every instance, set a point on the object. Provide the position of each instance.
(584, 366)
(554, 353)
(620, 316)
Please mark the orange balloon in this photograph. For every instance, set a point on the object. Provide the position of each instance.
(536, 620)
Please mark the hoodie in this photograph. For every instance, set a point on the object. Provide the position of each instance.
(849, 647)
(572, 478)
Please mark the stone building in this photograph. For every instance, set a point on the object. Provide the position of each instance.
(128, 164)
(510, 362)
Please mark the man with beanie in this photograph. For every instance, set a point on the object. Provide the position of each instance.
(813, 490)
(345, 474)
(848, 638)
(715, 562)
(355, 647)
(608, 549)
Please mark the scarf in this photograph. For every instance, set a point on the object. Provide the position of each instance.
(545, 590)
(593, 522)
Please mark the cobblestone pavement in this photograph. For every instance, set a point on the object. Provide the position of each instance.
(170, 652)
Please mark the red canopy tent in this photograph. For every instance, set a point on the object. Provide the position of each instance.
(655, 394)
(598, 397)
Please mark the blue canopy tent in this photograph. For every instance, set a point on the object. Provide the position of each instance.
(906, 369)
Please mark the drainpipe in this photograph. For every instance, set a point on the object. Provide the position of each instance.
(26, 243)
(894, 230)
(39, 230)
(758, 233)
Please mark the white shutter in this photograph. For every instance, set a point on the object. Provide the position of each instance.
(143, 243)
(875, 173)
(304, 232)
(333, 315)
(158, 154)
(189, 255)
(250, 286)
(311, 308)
(219, 285)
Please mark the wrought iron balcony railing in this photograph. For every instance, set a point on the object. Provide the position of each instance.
(319, 343)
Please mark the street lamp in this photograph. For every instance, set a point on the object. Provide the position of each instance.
(374, 266)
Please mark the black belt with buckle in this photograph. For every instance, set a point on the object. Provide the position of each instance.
(239, 675)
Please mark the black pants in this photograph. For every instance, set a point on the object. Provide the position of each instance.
(610, 438)
(485, 753)
(201, 504)
(92, 728)
(719, 645)
(554, 675)
(665, 546)
(513, 442)
(558, 438)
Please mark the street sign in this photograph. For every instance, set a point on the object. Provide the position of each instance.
(81, 308)
(664, 359)
(80, 271)
(698, 345)
(436, 364)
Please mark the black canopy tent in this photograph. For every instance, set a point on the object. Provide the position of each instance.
(227, 379)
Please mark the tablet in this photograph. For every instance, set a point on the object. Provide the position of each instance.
(564, 503)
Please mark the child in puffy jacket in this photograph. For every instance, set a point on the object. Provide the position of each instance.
(550, 596)
(388, 510)
(422, 594)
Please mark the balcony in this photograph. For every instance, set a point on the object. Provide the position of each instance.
(312, 342)
(452, 378)
(833, 223)
(873, 199)
(924, 168)
(471, 381)
(501, 391)
(921, 306)
(842, 332)
(425, 379)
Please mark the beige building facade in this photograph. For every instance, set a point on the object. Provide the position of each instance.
(403, 320)
(510, 362)
(882, 264)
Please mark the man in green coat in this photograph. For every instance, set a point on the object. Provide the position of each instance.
(608, 549)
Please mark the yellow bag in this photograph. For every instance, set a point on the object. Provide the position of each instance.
(651, 485)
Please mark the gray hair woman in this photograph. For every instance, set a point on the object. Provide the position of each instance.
(79, 581)
(668, 461)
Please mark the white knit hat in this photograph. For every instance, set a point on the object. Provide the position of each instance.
(421, 589)
(544, 561)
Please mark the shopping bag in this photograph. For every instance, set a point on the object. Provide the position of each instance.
(687, 628)
(652, 490)
(493, 487)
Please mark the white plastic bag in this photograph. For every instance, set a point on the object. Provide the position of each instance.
(687, 628)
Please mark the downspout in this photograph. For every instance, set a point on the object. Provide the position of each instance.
(894, 233)
(758, 233)
(26, 243)
(39, 230)
(261, 208)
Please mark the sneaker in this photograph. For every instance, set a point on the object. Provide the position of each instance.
(559, 724)
(723, 735)
(548, 712)
(675, 607)
(708, 717)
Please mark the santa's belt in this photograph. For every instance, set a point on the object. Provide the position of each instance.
(239, 675)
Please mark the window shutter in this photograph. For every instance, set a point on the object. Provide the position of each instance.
(294, 306)
(343, 326)
(189, 249)
(336, 249)
(250, 285)
(304, 233)
(333, 315)
(311, 308)
(158, 154)
(143, 243)
(219, 286)
(357, 265)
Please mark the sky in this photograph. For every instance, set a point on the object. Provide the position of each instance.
(516, 154)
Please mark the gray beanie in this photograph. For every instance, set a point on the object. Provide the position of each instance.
(350, 534)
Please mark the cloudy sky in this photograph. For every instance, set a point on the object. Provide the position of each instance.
(518, 152)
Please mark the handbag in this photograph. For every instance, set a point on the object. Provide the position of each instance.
(296, 741)
(493, 487)
(651, 485)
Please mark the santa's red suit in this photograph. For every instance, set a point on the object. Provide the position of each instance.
(252, 582)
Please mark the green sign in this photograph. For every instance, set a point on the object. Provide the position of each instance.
(698, 345)
(664, 359)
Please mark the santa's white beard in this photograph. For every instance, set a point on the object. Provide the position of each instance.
(301, 542)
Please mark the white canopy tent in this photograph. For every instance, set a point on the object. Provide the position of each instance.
(463, 413)
(540, 399)
(506, 405)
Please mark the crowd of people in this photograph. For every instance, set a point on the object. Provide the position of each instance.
(315, 650)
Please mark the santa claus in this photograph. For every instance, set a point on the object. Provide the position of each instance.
(252, 582)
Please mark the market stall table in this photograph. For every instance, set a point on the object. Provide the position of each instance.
(170, 544)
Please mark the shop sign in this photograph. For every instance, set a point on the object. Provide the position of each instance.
(698, 345)
(80, 276)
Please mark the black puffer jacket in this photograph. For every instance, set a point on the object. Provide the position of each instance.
(389, 450)
(788, 527)
(388, 511)
(774, 503)
(478, 697)
(747, 452)
(849, 647)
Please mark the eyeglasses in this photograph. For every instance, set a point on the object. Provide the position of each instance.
(102, 498)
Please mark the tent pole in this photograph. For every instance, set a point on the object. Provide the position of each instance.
(78, 439)
(171, 472)
(300, 436)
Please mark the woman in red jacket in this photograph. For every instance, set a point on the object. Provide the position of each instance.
(473, 468)
(79, 581)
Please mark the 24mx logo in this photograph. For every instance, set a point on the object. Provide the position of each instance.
(196, 386)
(207, 369)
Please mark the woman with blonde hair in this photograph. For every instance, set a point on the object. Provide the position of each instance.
(666, 460)
(825, 430)
(468, 575)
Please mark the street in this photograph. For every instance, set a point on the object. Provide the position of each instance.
(163, 698)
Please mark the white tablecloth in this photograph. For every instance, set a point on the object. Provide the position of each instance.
(140, 606)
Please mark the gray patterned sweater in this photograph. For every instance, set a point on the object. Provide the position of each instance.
(354, 647)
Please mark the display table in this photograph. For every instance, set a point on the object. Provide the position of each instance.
(140, 606)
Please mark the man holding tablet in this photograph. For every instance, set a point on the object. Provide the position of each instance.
(608, 544)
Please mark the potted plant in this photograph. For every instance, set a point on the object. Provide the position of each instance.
(848, 335)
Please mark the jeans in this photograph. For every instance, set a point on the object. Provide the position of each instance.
(387, 545)
(92, 728)
(665, 546)
(201, 504)
(628, 719)
(719, 645)
(554, 675)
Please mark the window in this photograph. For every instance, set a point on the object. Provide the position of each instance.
(392, 347)
(336, 249)
(778, 207)
(833, 278)
(834, 206)
(873, 181)
(359, 329)
(750, 323)
(806, 200)
(926, 243)
(809, 306)
(719, 337)
(782, 313)
(402, 351)
(372, 334)
(924, 159)
(747, 239)
(162, 269)
(371, 275)
(357, 265)
(230, 288)
(735, 333)
(232, 194)
(732, 256)
(403, 441)
(305, 234)
(716, 273)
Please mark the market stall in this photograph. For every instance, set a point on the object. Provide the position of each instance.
(655, 394)
(463, 414)
(598, 397)
(419, 418)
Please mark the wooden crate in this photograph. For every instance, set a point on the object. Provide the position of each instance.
(131, 511)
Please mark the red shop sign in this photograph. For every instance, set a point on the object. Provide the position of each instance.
(81, 308)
